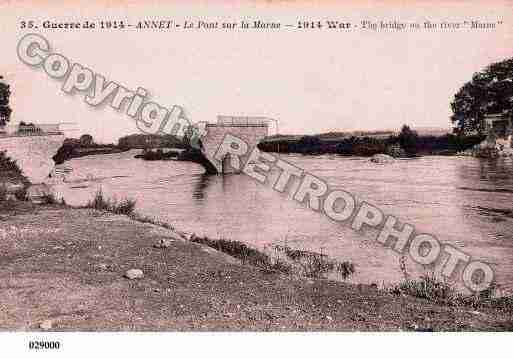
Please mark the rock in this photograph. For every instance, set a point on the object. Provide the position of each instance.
(381, 158)
(134, 274)
(163, 243)
(46, 324)
(329, 318)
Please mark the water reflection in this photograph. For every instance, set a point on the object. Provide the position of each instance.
(201, 183)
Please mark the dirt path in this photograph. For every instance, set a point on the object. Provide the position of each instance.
(67, 266)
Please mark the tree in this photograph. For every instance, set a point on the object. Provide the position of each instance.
(86, 140)
(489, 92)
(408, 139)
(5, 110)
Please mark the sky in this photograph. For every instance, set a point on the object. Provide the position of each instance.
(310, 81)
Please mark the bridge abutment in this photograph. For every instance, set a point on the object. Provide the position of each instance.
(250, 130)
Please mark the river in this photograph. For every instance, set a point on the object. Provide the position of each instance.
(464, 201)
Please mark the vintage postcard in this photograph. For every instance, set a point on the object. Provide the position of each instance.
(254, 166)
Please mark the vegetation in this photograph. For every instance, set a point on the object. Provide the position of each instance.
(245, 253)
(9, 170)
(85, 146)
(5, 110)
(315, 265)
(48, 198)
(145, 219)
(142, 141)
(284, 259)
(86, 140)
(125, 206)
(10, 173)
(408, 143)
(157, 155)
(489, 92)
(433, 289)
(427, 287)
(3, 193)
(408, 140)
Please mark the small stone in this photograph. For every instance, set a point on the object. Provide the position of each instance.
(46, 325)
(134, 274)
(163, 243)
(382, 158)
(329, 318)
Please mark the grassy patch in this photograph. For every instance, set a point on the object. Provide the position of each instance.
(151, 220)
(48, 198)
(101, 203)
(10, 173)
(438, 291)
(246, 254)
(315, 265)
(283, 260)
(428, 287)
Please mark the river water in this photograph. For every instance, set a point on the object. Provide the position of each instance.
(464, 201)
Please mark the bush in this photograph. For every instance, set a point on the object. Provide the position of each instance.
(21, 194)
(245, 253)
(316, 265)
(408, 140)
(3, 193)
(427, 287)
(9, 170)
(126, 206)
(100, 203)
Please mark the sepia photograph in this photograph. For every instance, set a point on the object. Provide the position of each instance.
(256, 176)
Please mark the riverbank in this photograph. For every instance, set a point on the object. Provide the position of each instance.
(370, 145)
(66, 152)
(65, 267)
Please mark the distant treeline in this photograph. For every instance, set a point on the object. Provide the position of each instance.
(158, 155)
(144, 141)
(85, 145)
(74, 148)
(409, 144)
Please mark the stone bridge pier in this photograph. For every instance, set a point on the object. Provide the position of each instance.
(251, 130)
